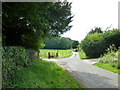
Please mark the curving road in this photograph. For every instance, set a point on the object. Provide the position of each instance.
(86, 73)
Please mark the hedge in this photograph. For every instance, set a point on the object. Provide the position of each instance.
(112, 37)
(12, 59)
(96, 44)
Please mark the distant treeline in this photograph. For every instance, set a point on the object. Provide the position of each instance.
(61, 43)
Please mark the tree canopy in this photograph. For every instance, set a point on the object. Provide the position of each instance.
(28, 24)
(95, 30)
(75, 44)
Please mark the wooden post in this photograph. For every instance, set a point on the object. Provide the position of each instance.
(48, 55)
(57, 54)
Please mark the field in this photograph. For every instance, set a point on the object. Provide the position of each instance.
(44, 74)
(61, 53)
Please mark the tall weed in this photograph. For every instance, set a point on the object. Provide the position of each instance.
(110, 57)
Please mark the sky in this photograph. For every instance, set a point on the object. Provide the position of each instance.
(89, 14)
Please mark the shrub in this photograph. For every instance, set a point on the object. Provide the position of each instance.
(111, 57)
(12, 59)
(30, 53)
(112, 37)
(93, 45)
(95, 30)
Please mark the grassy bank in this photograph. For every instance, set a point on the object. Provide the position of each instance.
(108, 66)
(61, 53)
(44, 74)
(110, 62)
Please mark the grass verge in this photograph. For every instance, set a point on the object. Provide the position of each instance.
(110, 61)
(61, 53)
(108, 66)
(83, 55)
(44, 74)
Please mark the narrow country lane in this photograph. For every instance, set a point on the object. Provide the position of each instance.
(87, 74)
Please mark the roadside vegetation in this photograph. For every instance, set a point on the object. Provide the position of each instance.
(110, 60)
(83, 55)
(61, 53)
(44, 74)
(103, 45)
(21, 69)
(14, 58)
(95, 44)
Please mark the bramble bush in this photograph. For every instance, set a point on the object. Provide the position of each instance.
(12, 59)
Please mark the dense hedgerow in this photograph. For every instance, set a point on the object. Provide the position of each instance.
(112, 37)
(96, 44)
(12, 59)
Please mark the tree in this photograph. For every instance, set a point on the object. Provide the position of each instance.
(28, 24)
(112, 37)
(65, 43)
(95, 30)
(75, 44)
(58, 43)
(52, 43)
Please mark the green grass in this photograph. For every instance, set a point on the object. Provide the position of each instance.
(44, 74)
(83, 55)
(61, 53)
(110, 62)
(108, 66)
